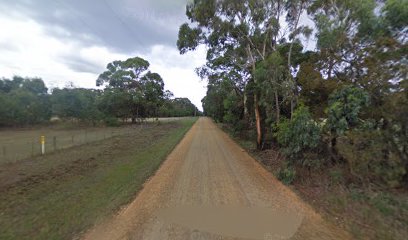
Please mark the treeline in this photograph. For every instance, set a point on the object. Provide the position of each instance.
(178, 107)
(23, 101)
(346, 102)
(131, 92)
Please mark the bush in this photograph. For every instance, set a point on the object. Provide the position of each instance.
(370, 157)
(233, 112)
(344, 108)
(287, 174)
(336, 176)
(299, 136)
(111, 122)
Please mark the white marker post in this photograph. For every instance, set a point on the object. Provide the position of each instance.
(42, 145)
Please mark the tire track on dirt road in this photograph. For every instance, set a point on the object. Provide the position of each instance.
(209, 188)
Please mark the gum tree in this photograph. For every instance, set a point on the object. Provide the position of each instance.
(140, 88)
(238, 34)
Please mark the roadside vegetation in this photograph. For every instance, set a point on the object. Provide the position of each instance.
(131, 92)
(333, 120)
(60, 195)
(101, 146)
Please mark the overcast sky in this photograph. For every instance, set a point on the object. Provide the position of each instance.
(65, 41)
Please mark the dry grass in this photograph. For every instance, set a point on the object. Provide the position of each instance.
(59, 195)
(21, 143)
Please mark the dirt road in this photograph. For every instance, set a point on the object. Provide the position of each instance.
(209, 188)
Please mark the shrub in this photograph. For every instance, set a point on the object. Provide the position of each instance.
(336, 176)
(233, 112)
(298, 136)
(287, 174)
(344, 107)
(111, 122)
(370, 157)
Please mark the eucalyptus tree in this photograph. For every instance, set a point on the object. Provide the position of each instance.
(142, 90)
(363, 43)
(240, 37)
(355, 37)
(123, 75)
(152, 92)
(294, 10)
(23, 101)
(240, 33)
(76, 103)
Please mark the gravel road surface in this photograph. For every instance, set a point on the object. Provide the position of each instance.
(210, 188)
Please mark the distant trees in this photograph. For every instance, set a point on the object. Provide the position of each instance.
(343, 102)
(139, 91)
(26, 101)
(223, 101)
(131, 92)
(76, 103)
(178, 107)
(23, 101)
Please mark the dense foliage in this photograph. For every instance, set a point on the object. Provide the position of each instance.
(131, 92)
(299, 135)
(344, 102)
(23, 101)
(178, 107)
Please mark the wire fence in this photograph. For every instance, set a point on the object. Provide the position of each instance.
(19, 148)
(16, 145)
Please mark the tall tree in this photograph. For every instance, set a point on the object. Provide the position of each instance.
(241, 34)
(140, 88)
(240, 31)
(23, 101)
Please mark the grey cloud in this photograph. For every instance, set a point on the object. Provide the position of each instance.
(79, 64)
(123, 25)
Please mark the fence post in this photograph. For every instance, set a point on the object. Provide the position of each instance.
(54, 143)
(86, 136)
(72, 139)
(4, 151)
(42, 145)
(32, 148)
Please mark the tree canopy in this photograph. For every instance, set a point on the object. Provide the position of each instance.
(131, 92)
(349, 90)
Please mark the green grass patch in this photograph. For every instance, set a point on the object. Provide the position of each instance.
(63, 206)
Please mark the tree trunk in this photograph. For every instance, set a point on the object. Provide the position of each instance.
(259, 139)
(292, 104)
(258, 120)
(277, 107)
(333, 151)
(245, 105)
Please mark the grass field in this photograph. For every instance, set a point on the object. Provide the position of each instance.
(19, 144)
(59, 195)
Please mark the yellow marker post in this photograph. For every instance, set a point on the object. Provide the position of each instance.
(42, 140)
